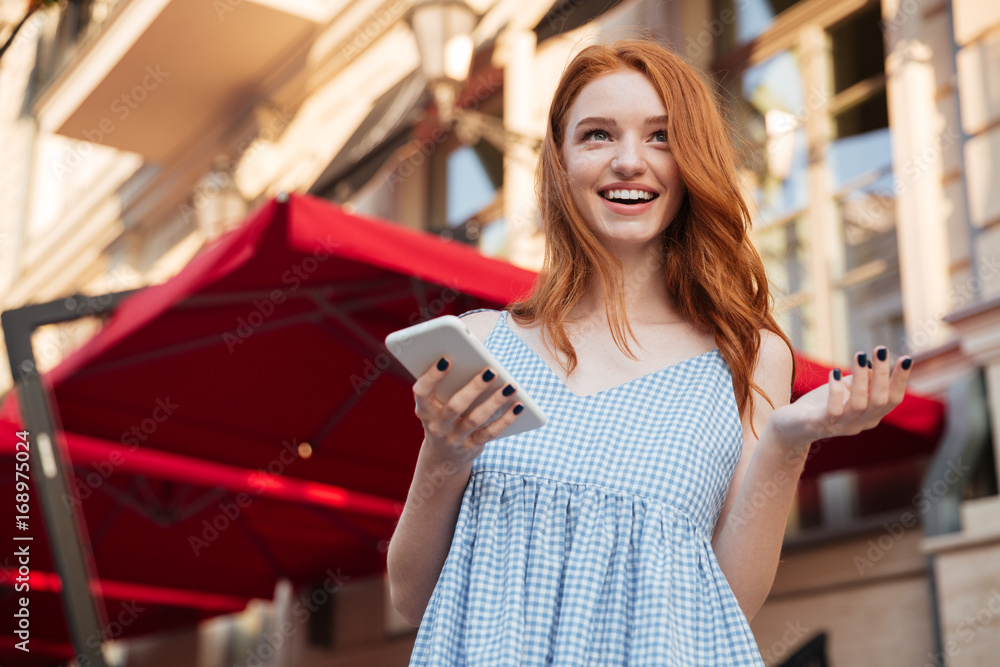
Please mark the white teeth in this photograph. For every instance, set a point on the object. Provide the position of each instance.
(628, 194)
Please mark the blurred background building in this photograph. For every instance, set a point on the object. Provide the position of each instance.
(133, 132)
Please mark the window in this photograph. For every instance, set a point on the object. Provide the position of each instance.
(67, 28)
(806, 93)
(745, 20)
(817, 164)
(466, 190)
(465, 196)
(859, 157)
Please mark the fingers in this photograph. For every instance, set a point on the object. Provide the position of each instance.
(873, 389)
(847, 404)
(879, 390)
(859, 389)
(454, 416)
(900, 376)
(474, 421)
(835, 400)
(423, 388)
(458, 405)
(886, 384)
(484, 435)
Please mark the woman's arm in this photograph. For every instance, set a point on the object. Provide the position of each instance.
(423, 535)
(751, 527)
(453, 437)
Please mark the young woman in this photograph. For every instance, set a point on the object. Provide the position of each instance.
(642, 524)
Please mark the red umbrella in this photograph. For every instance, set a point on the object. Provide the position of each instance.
(242, 422)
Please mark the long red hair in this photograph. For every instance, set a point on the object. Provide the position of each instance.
(714, 273)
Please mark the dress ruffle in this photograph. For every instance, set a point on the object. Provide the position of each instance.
(607, 571)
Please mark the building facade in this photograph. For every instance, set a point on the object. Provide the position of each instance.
(133, 132)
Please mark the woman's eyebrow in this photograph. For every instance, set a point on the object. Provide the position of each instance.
(611, 122)
(597, 120)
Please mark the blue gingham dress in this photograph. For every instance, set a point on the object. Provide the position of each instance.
(588, 541)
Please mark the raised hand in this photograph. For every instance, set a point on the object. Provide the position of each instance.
(845, 405)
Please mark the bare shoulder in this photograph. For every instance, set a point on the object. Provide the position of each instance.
(481, 324)
(773, 350)
(774, 364)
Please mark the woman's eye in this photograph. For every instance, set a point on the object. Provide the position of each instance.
(660, 136)
(599, 135)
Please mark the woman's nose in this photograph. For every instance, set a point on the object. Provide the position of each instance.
(628, 160)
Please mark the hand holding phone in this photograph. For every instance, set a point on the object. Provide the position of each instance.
(421, 346)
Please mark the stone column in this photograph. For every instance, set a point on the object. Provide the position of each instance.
(524, 244)
(921, 227)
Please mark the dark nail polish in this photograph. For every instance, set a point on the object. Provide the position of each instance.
(862, 359)
(869, 363)
(518, 408)
(442, 364)
(488, 375)
(907, 363)
(881, 353)
(508, 390)
(836, 373)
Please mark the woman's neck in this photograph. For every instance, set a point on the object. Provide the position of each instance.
(647, 299)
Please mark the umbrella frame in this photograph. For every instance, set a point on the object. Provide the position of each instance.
(65, 526)
(49, 461)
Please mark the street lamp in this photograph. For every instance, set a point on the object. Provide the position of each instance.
(443, 30)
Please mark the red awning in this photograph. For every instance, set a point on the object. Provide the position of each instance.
(185, 416)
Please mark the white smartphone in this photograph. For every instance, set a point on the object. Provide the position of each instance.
(420, 346)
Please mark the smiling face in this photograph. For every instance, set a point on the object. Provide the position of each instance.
(621, 171)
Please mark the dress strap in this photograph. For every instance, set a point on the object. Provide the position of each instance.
(498, 325)
(477, 310)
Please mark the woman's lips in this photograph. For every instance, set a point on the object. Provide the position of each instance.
(629, 209)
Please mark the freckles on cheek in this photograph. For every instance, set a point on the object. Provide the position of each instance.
(582, 168)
